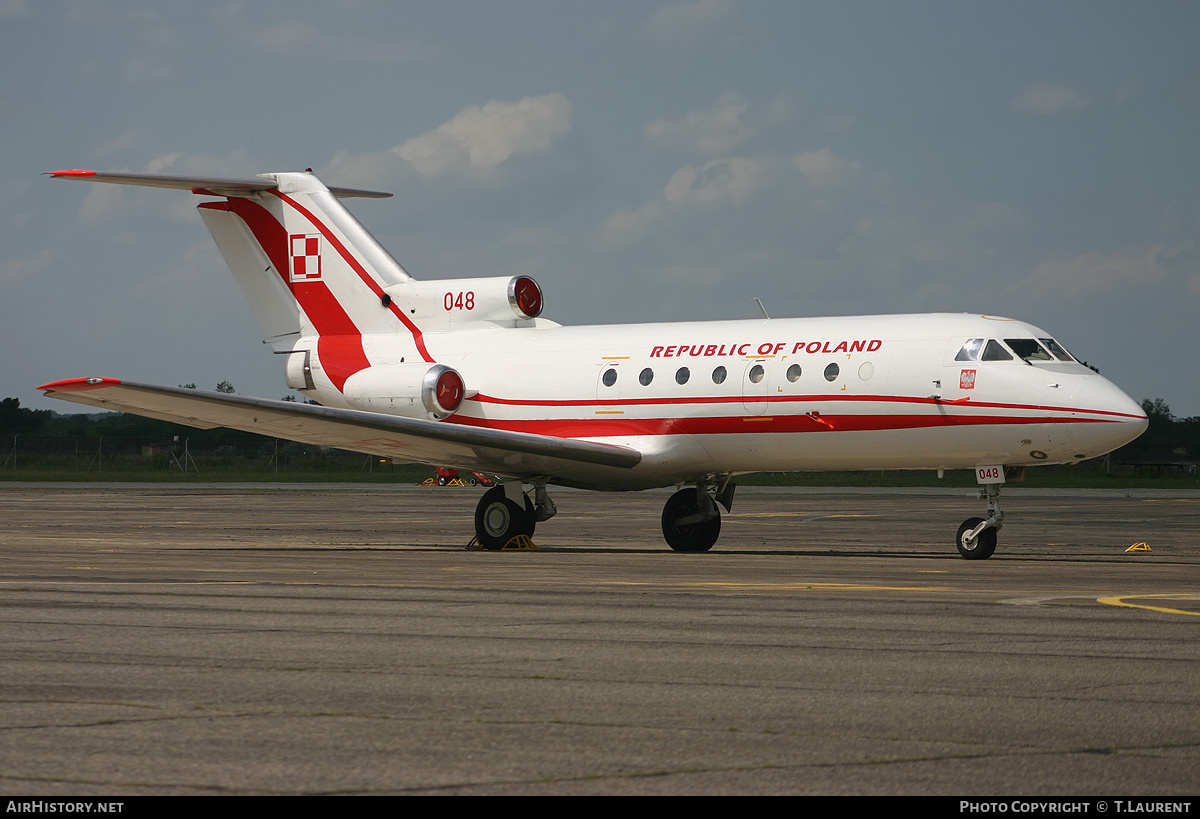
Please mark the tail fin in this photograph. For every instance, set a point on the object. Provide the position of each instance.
(305, 265)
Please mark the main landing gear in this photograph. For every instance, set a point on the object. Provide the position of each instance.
(505, 511)
(691, 521)
(976, 538)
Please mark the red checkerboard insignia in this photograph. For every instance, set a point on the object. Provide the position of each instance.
(305, 250)
(966, 380)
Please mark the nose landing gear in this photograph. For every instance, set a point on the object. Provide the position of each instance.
(976, 539)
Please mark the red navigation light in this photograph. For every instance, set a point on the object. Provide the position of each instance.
(450, 390)
(527, 297)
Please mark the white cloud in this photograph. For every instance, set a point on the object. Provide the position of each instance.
(484, 137)
(823, 168)
(714, 132)
(1044, 99)
(1102, 271)
(100, 203)
(370, 170)
(717, 183)
(235, 163)
(122, 142)
(685, 23)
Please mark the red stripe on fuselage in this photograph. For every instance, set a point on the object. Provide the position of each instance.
(742, 424)
(755, 399)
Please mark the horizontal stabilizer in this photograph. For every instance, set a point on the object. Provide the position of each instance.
(403, 439)
(210, 185)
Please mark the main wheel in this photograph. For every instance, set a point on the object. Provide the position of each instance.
(982, 547)
(691, 537)
(498, 520)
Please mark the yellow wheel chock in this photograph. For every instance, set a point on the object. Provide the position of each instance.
(519, 543)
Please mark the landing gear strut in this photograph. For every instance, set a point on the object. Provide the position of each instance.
(499, 519)
(976, 538)
(691, 521)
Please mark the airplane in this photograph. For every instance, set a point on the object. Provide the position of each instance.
(465, 373)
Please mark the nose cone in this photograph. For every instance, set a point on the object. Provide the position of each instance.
(1111, 418)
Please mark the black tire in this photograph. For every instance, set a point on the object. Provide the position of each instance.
(442, 480)
(694, 537)
(983, 546)
(498, 520)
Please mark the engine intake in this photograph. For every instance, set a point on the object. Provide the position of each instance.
(512, 301)
(423, 390)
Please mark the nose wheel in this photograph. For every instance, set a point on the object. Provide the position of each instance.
(975, 546)
(976, 539)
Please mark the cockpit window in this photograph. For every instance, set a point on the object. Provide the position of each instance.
(1056, 348)
(1028, 349)
(994, 351)
(970, 350)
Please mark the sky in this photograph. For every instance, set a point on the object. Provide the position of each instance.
(644, 161)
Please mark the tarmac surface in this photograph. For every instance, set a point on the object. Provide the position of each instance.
(338, 639)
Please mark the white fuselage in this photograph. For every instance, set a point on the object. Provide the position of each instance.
(872, 392)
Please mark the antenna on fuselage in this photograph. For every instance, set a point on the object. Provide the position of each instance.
(760, 306)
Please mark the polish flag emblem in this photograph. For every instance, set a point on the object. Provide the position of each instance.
(966, 380)
(306, 256)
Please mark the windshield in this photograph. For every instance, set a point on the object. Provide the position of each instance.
(1028, 349)
(1056, 348)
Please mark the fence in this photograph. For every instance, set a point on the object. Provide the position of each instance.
(182, 454)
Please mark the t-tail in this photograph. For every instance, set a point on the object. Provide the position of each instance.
(319, 282)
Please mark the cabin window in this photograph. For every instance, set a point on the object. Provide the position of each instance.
(831, 372)
(609, 378)
(646, 376)
(1056, 348)
(719, 375)
(682, 375)
(994, 351)
(1028, 349)
(970, 350)
(756, 373)
(793, 373)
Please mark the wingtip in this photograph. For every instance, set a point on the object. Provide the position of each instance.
(78, 384)
(69, 173)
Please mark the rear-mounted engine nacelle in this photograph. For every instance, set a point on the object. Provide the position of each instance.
(432, 391)
(509, 300)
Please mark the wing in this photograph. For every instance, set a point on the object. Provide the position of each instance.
(516, 454)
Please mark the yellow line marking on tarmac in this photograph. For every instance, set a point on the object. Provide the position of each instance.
(1121, 601)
